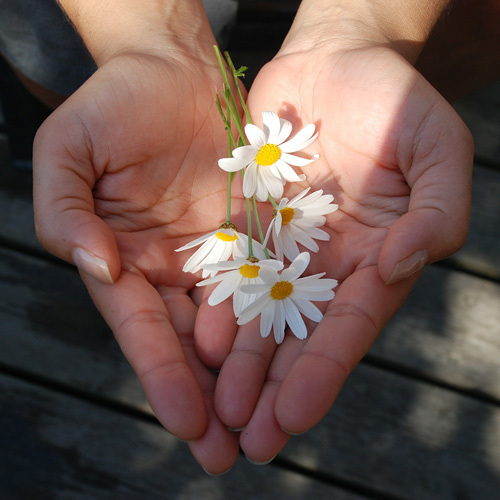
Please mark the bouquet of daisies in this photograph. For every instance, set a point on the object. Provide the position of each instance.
(246, 269)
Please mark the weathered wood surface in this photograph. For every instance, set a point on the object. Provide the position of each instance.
(388, 433)
(481, 112)
(58, 447)
(418, 419)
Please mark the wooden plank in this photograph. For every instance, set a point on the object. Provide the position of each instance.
(482, 248)
(51, 329)
(407, 440)
(448, 330)
(58, 447)
(386, 432)
(481, 112)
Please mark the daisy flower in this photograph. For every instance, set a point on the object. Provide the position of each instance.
(285, 297)
(239, 272)
(297, 221)
(267, 158)
(219, 245)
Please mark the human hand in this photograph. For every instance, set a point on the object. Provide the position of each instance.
(398, 161)
(125, 172)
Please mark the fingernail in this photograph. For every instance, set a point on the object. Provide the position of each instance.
(233, 429)
(406, 267)
(255, 462)
(92, 265)
(217, 473)
(292, 433)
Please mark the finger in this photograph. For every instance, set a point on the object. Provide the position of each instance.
(217, 449)
(242, 375)
(63, 179)
(140, 321)
(351, 324)
(215, 329)
(436, 224)
(263, 438)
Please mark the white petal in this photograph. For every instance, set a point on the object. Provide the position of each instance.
(261, 193)
(278, 222)
(242, 300)
(272, 124)
(193, 264)
(250, 180)
(318, 234)
(308, 221)
(266, 318)
(253, 310)
(274, 185)
(294, 200)
(300, 140)
(317, 285)
(273, 263)
(297, 267)
(268, 233)
(231, 164)
(297, 161)
(303, 238)
(245, 153)
(225, 289)
(288, 173)
(279, 321)
(254, 288)
(225, 265)
(308, 309)
(285, 131)
(211, 281)
(294, 319)
(197, 241)
(258, 250)
(255, 135)
(322, 296)
(287, 244)
(268, 275)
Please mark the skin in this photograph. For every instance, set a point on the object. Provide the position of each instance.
(397, 196)
(126, 170)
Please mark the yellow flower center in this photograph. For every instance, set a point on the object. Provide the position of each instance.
(226, 237)
(287, 214)
(268, 154)
(281, 290)
(249, 271)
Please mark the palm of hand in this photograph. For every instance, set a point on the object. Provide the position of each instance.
(378, 124)
(144, 137)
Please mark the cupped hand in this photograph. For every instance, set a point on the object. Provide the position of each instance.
(398, 161)
(125, 172)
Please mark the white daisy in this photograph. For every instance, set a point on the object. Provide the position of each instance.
(268, 157)
(284, 297)
(239, 272)
(219, 245)
(298, 220)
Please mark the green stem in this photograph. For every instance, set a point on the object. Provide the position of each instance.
(249, 220)
(227, 124)
(233, 107)
(259, 227)
(236, 82)
(273, 203)
(230, 177)
(236, 117)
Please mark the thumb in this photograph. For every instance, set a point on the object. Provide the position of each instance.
(437, 220)
(63, 179)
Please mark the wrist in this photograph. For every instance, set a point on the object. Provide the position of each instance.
(335, 25)
(156, 27)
